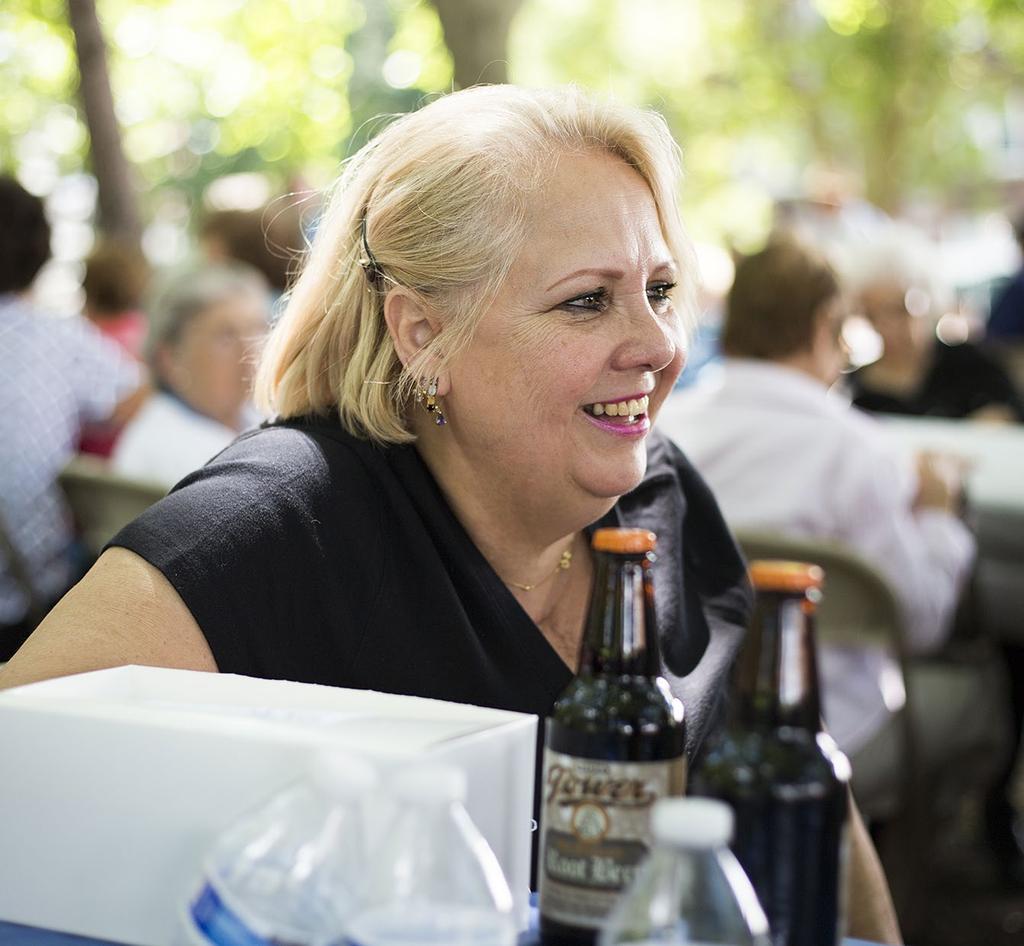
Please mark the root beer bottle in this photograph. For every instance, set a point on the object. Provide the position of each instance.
(784, 778)
(614, 744)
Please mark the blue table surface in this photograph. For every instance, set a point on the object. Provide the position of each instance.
(12, 934)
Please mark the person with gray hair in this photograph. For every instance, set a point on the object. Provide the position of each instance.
(204, 332)
(465, 380)
(918, 372)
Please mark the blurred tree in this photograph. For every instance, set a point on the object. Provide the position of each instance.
(284, 89)
(476, 32)
(914, 97)
(118, 206)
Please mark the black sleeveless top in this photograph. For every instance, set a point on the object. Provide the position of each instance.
(306, 554)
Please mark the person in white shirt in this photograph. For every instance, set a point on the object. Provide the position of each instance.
(783, 454)
(56, 374)
(204, 332)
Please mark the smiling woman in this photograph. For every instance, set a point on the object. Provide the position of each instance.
(464, 382)
(582, 330)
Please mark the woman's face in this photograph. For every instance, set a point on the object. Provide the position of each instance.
(567, 369)
(212, 364)
(898, 315)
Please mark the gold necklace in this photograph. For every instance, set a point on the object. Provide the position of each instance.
(563, 565)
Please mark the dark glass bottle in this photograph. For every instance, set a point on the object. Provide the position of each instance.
(615, 743)
(785, 778)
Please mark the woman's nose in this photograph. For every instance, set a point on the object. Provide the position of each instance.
(653, 339)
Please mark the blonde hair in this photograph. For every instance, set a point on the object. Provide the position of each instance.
(444, 193)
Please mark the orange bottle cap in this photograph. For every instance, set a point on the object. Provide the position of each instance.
(624, 540)
(772, 575)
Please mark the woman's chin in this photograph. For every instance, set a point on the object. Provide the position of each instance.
(608, 481)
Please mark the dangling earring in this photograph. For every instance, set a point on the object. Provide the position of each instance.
(428, 398)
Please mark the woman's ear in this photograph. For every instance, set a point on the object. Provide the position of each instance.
(412, 325)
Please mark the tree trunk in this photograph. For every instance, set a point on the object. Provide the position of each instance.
(897, 117)
(118, 203)
(476, 32)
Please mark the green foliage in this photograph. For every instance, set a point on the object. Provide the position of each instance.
(205, 88)
(909, 95)
(36, 81)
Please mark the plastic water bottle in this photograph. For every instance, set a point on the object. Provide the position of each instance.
(434, 879)
(691, 890)
(288, 873)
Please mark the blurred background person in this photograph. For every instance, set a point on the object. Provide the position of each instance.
(919, 373)
(922, 373)
(1006, 320)
(204, 336)
(117, 276)
(1004, 331)
(782, 454)
(55, 374)
(270, 239)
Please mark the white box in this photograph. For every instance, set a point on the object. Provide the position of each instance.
(115, 783)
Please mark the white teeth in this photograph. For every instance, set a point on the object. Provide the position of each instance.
(598, 410)
(634, 407)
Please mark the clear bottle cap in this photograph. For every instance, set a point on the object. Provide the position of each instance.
(434, 783)
(341, 775)
(691, 822)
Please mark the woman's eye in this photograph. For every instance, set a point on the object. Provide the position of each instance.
(660, 295)
(593, 301)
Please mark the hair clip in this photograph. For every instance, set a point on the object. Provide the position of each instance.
(369, 263)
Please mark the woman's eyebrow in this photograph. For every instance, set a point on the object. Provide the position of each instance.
(589, 271)
(610, 273)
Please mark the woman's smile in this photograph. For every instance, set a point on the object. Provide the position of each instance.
(623, 417)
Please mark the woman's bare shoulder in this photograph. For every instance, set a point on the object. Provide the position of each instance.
(122, 612)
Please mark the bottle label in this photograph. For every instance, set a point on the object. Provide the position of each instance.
(219, 924)
(597, 829)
